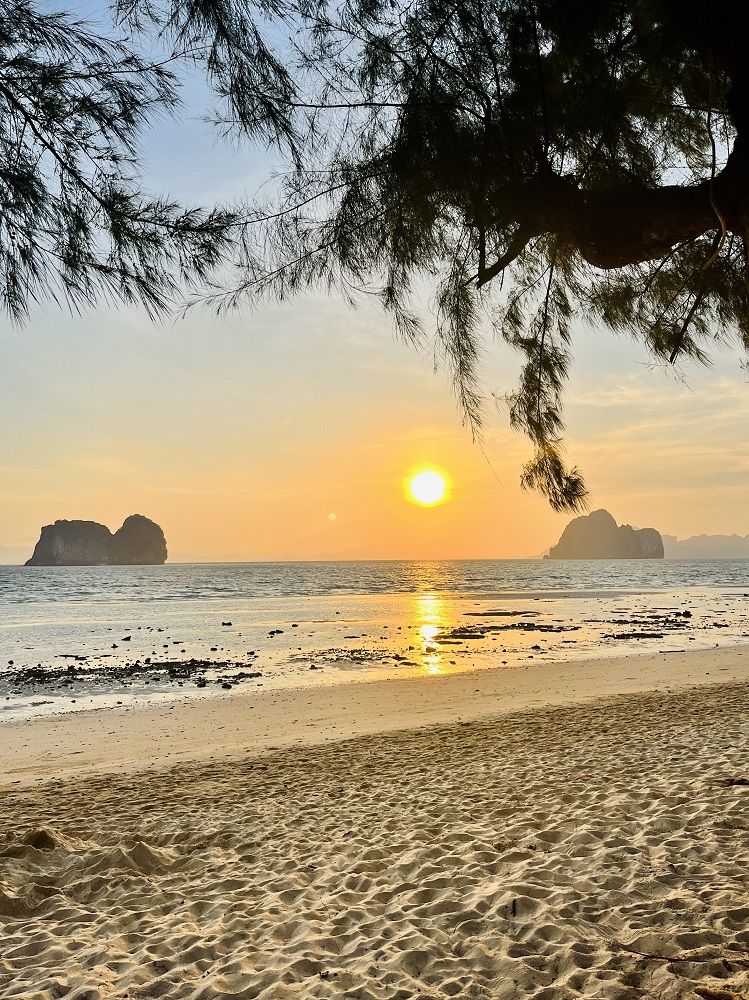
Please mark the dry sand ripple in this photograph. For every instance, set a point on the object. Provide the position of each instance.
(595, 851)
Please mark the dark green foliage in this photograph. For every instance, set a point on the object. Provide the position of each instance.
(531, 160)
(528, 160)
(74, 223)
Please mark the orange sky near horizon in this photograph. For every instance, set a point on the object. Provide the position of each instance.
(241, 437)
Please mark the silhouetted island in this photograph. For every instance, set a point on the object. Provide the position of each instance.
(598, 536)
(139, 542)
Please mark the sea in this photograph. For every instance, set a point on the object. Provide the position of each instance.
(73, 639)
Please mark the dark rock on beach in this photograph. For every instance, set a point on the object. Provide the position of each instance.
(139, 542)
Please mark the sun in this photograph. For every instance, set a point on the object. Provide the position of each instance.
(427, 488)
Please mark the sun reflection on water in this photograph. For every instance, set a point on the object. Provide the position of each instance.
(430, 620)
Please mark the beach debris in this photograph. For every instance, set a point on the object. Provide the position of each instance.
(465, 633)
(100, 677)
(738, 780)
(32, 675)
(481, 631)
(632, 635)
(497, 614)
(226, 623)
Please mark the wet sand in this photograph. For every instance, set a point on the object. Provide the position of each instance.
(63, 656)
(133, 738)
(562, 831)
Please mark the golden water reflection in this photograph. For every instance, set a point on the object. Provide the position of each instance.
(430, 620)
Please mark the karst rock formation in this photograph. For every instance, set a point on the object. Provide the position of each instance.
(139, 542)
(598, 536)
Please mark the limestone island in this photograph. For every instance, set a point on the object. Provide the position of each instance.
(139, 542)
(598, 536)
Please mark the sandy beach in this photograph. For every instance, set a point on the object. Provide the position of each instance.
(573, 830)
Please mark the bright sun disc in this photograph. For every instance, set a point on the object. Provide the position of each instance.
(427, 488)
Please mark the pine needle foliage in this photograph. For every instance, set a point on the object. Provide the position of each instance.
(76, 224)
(530, 161)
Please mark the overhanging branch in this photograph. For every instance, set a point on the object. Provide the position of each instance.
(517, 244)
(630, 224)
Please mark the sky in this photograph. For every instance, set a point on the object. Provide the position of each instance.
(288, 433)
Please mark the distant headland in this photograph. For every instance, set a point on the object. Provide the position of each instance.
(598, 536)
(707, 547)
(139, 542)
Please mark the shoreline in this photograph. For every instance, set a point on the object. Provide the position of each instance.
(127, 739)
(151, 651)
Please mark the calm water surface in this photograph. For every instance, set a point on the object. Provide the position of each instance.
(206, 581)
